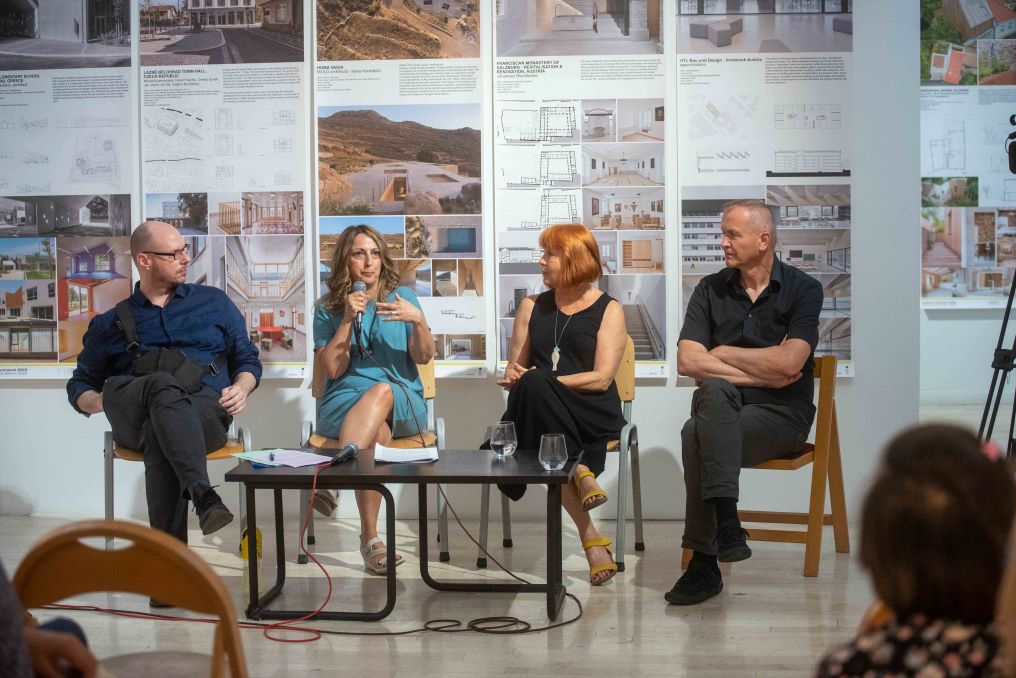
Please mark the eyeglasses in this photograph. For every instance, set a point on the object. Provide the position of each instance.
(176, 254)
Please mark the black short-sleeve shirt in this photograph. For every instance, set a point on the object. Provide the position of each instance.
(720, 313)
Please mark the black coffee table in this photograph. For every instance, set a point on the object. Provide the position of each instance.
(454, 467)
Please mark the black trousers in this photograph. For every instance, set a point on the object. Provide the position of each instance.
(174, 431)
(722, 436)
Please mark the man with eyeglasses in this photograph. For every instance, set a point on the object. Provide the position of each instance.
(155, 414)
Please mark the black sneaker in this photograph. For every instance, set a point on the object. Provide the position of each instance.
(699, 582)
(212, 513)
(732, 542)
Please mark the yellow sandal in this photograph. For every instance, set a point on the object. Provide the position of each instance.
(597, 494)
(604, 567)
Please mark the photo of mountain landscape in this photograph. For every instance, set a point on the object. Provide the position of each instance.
(399, 159)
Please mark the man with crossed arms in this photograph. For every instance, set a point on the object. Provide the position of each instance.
(748, 340)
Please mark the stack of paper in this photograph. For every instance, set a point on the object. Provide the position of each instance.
(280, 457)
(394, 455)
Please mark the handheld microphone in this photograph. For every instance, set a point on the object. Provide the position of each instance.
(347, 452)
(359, 286)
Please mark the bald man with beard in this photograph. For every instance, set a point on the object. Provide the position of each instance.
(154, 413)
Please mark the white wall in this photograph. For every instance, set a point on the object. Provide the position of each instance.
(52, 457)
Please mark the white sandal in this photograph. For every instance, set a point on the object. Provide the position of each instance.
(375, 556)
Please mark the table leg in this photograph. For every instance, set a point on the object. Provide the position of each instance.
(478, 587)
(264, 613)
(555, 589)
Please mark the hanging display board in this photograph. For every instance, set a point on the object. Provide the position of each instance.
(765, 113)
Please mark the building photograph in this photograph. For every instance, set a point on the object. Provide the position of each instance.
(733, 26)
(224, 32)
(272, 213)
(578, 27)
(949, 191)
(942, 233)
(996, 61)
(265, 278)
(188, 212)
(399, 159)
(444, 237)
(624, 208)
(27, 321)
(50, 34)
(398, 29)
(93, 275)
(622, 165)
(66, 215)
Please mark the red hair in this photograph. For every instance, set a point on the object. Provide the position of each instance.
(578, 249)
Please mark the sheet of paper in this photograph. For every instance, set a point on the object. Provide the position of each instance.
(283, 457)
(393, 455)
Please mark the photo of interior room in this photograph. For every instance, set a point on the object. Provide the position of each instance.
(188, 212)
(644, 300)
(444, 237)
(641, 252)
(461, 346)
(640, 119)
(272, 213)
(208, 261)
(224, 213)
(414, 274)
(512, 289)
(1005, 238)
(599, 120)
(836, 295)
(942, 243)
(989, 282)
(809, 206)
(815, 250)
(66, 215)
(635, 209)
(93, 275)
(470, 277)
(738, 26)
(446, 278)
(622, 165)
(606, 242)
(578, 27)
(834, 338)
(265, 279)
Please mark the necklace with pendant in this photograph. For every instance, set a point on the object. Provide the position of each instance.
(555, 355)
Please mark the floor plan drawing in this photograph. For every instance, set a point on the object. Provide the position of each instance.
(808, 116)
(95, 160)
(174, 149)
(529, 122)
(530, 167)
(948, 152)
(730, 115)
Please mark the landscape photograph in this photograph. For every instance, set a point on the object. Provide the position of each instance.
(399, 159)
(353, 30)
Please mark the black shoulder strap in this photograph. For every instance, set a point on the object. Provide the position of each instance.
(130, 330)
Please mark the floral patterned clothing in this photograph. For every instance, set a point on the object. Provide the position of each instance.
(917, 647)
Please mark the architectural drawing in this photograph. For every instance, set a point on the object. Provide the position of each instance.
(526, 122)
(174, 147)
(948, 152)
(529, 167)
(808, 116)
(798, 163)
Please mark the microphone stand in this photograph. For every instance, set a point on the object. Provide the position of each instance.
(1003, 363)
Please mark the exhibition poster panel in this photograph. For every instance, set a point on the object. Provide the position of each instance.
(579, 134)
(764, 112)
(968, 163)
(67, 158)
(399, 119)
(224, 138)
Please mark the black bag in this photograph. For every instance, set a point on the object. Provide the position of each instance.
(187, 372)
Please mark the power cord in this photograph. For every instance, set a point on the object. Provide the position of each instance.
(502, 625)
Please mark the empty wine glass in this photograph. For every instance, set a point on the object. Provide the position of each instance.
(553, 451)
(502, 439)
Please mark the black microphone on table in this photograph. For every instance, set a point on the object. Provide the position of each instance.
(359, 286)
(347, 452)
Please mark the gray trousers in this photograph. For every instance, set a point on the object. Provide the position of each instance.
(174, 431)
(722, 436)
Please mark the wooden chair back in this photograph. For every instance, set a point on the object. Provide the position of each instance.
(625, 377)
(60, 566)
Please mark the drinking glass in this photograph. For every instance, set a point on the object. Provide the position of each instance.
(502, 439)
(553, 451)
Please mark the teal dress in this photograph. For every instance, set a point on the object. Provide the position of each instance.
(389, 342)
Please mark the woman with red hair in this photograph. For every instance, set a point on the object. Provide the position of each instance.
(566, 346)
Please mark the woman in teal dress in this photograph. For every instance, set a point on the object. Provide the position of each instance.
(362, 402)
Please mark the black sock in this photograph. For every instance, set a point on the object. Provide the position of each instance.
(705, 559)
(726, 509)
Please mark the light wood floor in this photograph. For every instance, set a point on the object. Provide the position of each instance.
(769, 620)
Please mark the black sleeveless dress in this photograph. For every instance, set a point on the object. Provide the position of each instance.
(538, 403)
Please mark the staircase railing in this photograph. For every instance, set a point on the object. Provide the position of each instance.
(647, 322)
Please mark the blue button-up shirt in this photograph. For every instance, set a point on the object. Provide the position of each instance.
(199, 320)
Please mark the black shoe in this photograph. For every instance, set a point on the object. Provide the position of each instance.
(158, 604)
(731, 542)
(212, 513)
(699, 582)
